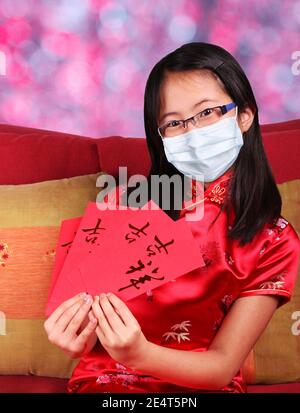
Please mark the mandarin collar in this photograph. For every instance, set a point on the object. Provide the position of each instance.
(215, 192)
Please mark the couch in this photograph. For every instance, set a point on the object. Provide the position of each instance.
(31, 156)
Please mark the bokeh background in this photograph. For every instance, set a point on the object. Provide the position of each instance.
(80, 66)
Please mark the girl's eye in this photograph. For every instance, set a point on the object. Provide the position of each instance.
(173, 123)
(206, 112)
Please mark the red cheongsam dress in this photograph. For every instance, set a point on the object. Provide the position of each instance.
(186, 313)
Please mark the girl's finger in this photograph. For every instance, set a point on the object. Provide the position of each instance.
(115, 322)
(62, 308)
(86, 333)
(101, 336)
(98, 330)
(103, 324)
(91, 315)
(75, 323)
(123, 311)
(65, 319)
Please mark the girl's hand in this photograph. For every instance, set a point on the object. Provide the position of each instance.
(118, 330)
(71, 327)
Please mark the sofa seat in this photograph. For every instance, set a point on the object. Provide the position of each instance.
(73, 155)
(35, 384)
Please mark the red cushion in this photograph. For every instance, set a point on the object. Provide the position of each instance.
(282, 147)
(281, 126)
(118, 151)
(33, 155)
(32, 384)
(283, 151)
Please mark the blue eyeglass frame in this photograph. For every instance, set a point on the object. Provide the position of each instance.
(224, 109)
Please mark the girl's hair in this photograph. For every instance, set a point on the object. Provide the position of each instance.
(253, 191)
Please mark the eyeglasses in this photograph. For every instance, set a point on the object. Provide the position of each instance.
(204, 118)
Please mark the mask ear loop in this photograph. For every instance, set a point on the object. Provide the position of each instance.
(236, 113)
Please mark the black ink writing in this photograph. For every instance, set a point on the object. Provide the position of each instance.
(141, 280)
(140, 267)
(93, 231)
(158, 246)
(68, 244)
(129, 237)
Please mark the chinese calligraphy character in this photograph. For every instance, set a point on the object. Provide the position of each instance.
(159, 246)
(68, 244)
(141, 280)
(136, 234)
(141, 266)
(93, 231)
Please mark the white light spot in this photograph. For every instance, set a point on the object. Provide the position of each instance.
(182, 28)
(2, 63)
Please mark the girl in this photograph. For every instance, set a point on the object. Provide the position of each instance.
(194, 334)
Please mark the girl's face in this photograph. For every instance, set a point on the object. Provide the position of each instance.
(183, 94)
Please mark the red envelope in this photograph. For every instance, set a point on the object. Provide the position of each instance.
(91, 231)
(63, 290)
(148, 251)
(67, 233)
(95, 227)
(144, 250)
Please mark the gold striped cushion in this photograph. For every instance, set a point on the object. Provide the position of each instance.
(276, 355)
(30, 218)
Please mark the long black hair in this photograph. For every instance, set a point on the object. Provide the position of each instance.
(253, 191)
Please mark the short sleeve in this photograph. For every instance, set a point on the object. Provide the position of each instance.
(277, 267)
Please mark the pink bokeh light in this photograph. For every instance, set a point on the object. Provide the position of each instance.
(81, 66)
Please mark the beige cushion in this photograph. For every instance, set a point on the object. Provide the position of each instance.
(30, 218)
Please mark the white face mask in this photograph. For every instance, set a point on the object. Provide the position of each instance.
(207, 151)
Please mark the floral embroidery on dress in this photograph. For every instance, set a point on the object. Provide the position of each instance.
(226, 302)
(217, 194)
(281, 223)
(120, 366)
(276, 283)
(274, 231)
(265, 246)
(4, 254)
(278, 226)
(224, 305)
(179, 332)
(125, 379)
(229, 258)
